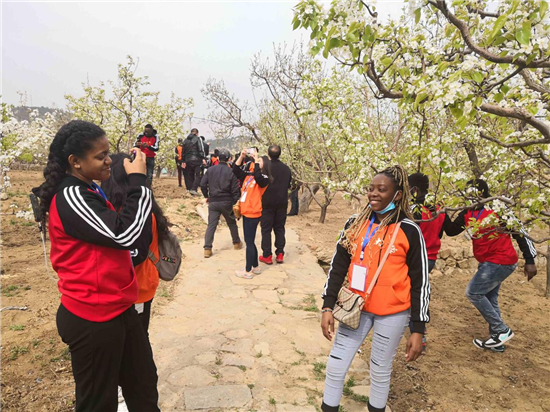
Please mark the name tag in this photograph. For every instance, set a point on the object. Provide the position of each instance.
(140, 307)
(358, 277)
(243, 197)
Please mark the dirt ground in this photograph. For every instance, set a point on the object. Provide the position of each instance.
(452, 376)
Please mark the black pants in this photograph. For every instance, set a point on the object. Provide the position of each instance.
(250, 225)
(145, 316)
(215, 210)
(193, 174)
(294, 203)
(150, 167)
(273, 220)
(105, 355)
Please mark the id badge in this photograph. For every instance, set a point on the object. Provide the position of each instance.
(243, 197)
(140, 307)
(358, 278)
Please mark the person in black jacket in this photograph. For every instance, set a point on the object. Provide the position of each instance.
(194, 158)
(220, 187)
(275, 205)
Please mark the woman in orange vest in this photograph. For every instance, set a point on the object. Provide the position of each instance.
(402, 291)
(115, 189)
(254, 182)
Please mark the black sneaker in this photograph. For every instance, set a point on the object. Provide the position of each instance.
(478, 343)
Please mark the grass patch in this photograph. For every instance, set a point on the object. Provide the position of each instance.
(272, 401)
(259, 354)
(17, 351)
(218, 360)
(242, 367)
(17, 327)
(348, 392)
(10, 290)
(319, 370)
(250, 386)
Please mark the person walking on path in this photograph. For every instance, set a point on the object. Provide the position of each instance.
(274, 208)
(179, 160)
(254, 183)
(220, 187)
(90, 251)
(402, 291)
(116, 189)
(194, 158)
(497, 259)
(148, 142)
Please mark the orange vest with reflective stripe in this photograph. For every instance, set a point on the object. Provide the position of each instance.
(146, 272)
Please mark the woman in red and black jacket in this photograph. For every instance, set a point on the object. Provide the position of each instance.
(90, 251)
(497, 259)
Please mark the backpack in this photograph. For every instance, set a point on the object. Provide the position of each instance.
(169, 261)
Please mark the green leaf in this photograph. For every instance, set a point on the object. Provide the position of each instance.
(296, 23)
(504, 88)
(417, 15)
(523, 35)
(543, 8)
(386, 61)
(478, 77)
(478, 101)
(499, 24)
(419, 98)
(514, 7)
(456, 111)
(499, 97)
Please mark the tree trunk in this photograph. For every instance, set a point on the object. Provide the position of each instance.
(323, 213)
(159, 170)
(306, 198)
(548, 271)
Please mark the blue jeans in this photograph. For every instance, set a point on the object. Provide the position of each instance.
(483, 290)
(249, 228)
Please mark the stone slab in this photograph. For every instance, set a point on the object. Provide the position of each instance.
(226, 396)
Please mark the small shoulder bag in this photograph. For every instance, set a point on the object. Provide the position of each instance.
(349, 304)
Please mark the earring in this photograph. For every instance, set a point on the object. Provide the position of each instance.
(77, 166)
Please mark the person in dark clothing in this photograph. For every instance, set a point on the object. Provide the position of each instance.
(194, 158)
(274, 208)
(206, 147)
(497, 259)
(179, 160)
(294, 202)
(430, 222)
(148, 142)
(220, 187)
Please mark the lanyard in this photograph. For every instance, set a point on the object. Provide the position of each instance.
(98, 190)
(248, 183)
(368, 237)
(478, 215)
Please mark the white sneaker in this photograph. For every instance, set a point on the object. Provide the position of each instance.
(256, 270)
(498, 339)
(243, 274)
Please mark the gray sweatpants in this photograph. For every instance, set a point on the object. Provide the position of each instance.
(215, 210)
(388, 331)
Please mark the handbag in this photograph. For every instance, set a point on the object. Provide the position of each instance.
(349, 304)
(237, 210)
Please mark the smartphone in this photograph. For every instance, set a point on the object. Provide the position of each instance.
(251, 151)
(133, 156)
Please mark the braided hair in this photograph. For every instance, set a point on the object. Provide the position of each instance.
(74, 138)
(398, 175)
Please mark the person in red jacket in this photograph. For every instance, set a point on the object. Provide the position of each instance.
(497, 259)
(90, 251)
(148, 142)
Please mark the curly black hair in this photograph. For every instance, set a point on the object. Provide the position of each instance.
(74, 138)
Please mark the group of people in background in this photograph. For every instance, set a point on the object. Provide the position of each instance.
(105, 238)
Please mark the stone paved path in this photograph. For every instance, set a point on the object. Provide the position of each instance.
(226, 343)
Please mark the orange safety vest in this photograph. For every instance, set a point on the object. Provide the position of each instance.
(146, 272)
(252, 194)
(392, 292)
(180, 152)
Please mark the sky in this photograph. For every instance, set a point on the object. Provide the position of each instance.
(50, 48)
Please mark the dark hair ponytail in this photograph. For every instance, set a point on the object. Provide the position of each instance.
(116, 188)
(76, 138)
